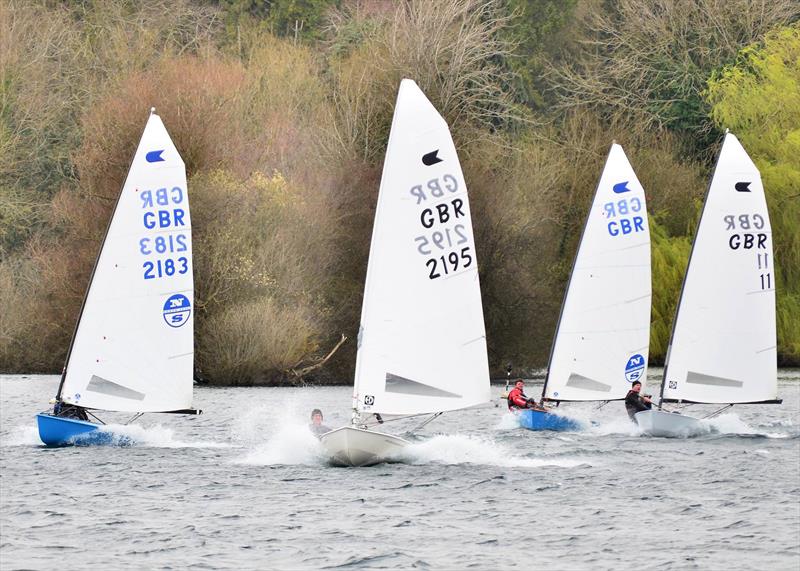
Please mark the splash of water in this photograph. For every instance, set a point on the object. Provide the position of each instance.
(292, 444)
(23, 435)
(620, 425)
(509, 421)
(729, 424)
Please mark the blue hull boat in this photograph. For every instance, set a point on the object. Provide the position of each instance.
(538, 420)
(58, 431)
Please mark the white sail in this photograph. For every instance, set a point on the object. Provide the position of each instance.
(723, 348)
(602, 340)
(133, 347)
(422, 343)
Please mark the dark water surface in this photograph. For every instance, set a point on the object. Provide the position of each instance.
(244, 487)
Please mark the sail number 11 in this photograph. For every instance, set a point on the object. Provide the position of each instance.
(763, 264)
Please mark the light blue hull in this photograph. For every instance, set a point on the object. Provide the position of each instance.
(538, 420)
(57, 431)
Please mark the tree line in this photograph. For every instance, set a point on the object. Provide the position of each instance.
(281, 111)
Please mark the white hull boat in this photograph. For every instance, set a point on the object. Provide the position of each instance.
(422, 341)
(670, 424)
(723, 348)
(351, 446)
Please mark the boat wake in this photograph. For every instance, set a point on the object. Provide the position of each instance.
(462, 449)
(731, 425)
(155, 436)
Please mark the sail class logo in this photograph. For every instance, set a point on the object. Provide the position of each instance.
(634, 368)
(742, 186)
(154, 156)
(429, 159)
(621, 187)
(176, 310)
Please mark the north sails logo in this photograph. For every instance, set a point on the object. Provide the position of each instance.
(742, 186)
(430, 159)
(634, 368)
(176, 310)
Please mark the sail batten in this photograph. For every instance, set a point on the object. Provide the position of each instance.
(135, 329)
(422, 341)
(602, 337)
(723, 347)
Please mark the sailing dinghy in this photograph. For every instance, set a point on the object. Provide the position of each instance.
(603, 333)
(723, 347)
(422, 342)
(133, 346)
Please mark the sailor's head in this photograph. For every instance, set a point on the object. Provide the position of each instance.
(316, 416)
(636, 386)
(520, 384)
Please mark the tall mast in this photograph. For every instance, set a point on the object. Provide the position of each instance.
(686, 274)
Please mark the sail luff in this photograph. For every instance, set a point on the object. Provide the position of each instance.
(569, 280)
(683, 283)
(369, 278)
(94, 267)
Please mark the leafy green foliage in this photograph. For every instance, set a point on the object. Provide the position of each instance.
(758, 98)
(539, 31)
(670, 255)
(298, 19)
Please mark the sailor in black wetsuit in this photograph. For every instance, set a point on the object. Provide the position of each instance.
(634, 402)
(64, 410)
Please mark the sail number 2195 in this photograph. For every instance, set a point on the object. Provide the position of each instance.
(444, 265)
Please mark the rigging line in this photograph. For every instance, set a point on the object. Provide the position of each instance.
(677, 407)
(716, 412)
(135, 417)
(602, 404)
(383, 421)
(93, 416)
(434, 417)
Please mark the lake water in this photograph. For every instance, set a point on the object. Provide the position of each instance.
(244, 486)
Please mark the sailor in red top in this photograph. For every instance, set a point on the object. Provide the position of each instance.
(518, 400)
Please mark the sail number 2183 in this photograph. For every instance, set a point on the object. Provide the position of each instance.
(165, 268)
